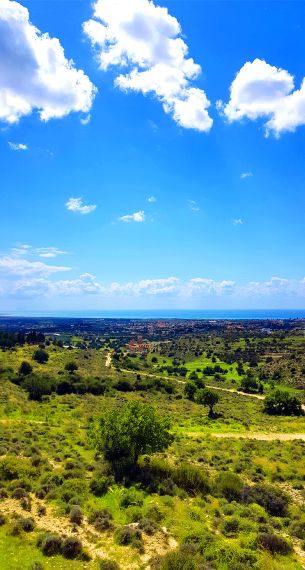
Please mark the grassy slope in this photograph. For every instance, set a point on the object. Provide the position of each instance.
(58, 429)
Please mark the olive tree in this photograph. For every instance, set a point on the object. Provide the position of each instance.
(135, 429)
(208, 398)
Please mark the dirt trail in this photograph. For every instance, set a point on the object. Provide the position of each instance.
(250, 435)
(228, 390)
(108, 360)
(232, 391)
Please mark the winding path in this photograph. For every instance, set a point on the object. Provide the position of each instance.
(249, 435)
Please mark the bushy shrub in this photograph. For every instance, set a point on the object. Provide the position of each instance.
(174, 561)
(129, 535)
(229, 555)
(229, 485)
(50, 544)
(41, 356)
(271, 498)
(149, 526)
(274, 543)
(25, 368)
(71, 547)
(282, 403)
(41, 510)
(73, 488)
(101, 519)
(297, 528)
(71, 367)
(191, 478)
(153, 512)
(18, 493)
(27, 524)
(76, 514)
(99, 485)
(38, 386)
(14, 468)
(133, 514)
(230, 525)
(123, 386)
(132, 497)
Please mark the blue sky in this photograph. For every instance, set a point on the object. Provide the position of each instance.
(131, 178)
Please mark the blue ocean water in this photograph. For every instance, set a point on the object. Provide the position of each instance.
(227, 314)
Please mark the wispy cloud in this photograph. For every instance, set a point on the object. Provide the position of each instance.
(18, 146)
(152, 199)
(24, 250)
(135, 217)
(24, 267)
(246, 175)
(85, 120)
(193, 206)
(76, 205)
(237, 222)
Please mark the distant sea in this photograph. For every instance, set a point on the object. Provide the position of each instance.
(228, 314)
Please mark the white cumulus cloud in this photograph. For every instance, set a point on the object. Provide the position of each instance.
(261, 90)
(135, 217)
(76, 205)
(34, 72)
(145, 41)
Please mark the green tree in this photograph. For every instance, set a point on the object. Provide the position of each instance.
(71, 367)
(208, 398)
(41, 356)
(25, 368)
(190, 390)
(282, 403)
(126, 433)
